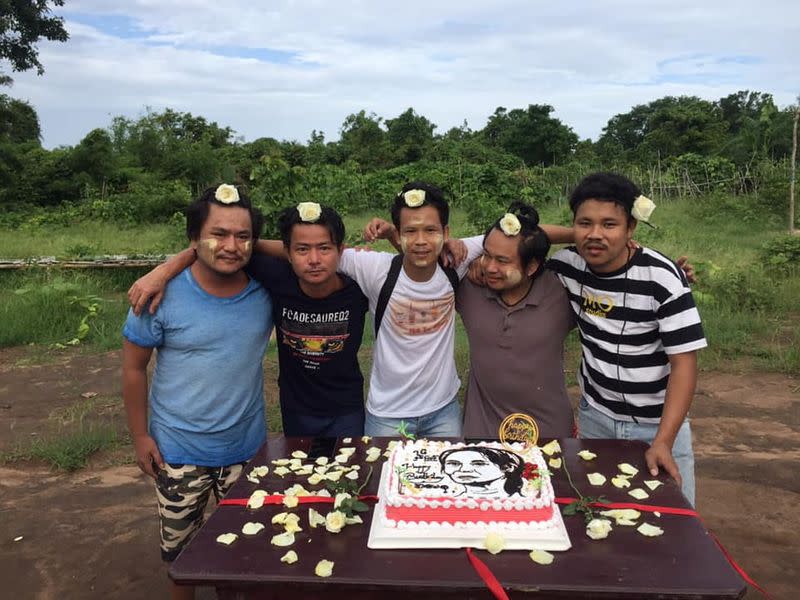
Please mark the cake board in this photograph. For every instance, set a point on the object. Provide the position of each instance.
(383, 537)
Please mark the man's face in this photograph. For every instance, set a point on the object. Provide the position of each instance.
(422, 235)
(226, 239)
(602, 233)
(313, 254)
(471, 468)
(502, 266)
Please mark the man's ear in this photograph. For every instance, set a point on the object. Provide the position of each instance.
(632, 227)
(532, 266)
(446, 231)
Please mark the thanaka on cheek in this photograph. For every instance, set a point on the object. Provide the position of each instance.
(206, 248)
(513, 276)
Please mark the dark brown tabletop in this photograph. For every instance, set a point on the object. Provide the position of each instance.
(684, 562)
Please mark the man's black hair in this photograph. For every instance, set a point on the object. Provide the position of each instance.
(197, 213)
(328, 218)
(606, 187)
(433, 197)
(533, 241)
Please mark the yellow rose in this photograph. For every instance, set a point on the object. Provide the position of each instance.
(598, 529)
(510, 224)
(414, 198)
(309, 213)
(334, 521)
(227, 194)
(643, 207)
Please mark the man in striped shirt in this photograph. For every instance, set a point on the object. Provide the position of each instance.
(639, 328)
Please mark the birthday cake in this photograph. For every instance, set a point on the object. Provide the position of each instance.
(442, 494)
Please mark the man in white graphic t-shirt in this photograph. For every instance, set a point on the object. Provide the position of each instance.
(414, 380)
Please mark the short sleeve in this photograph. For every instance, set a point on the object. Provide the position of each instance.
(146, 330)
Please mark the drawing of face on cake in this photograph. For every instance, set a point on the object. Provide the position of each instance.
(484, 471)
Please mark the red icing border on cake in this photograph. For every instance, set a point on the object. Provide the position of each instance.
(462, 515)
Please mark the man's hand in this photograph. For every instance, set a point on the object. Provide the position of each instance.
(147, 455)
(661, 454)
(378, 229)
(475, 273)
(687, 268)
(454, 252)
(150, 288)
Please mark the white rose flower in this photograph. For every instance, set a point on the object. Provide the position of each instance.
(414, 198)
(309, 211)
(334, 521)
(643, 207)
(227, 194)
(597, 529)
(510, 224)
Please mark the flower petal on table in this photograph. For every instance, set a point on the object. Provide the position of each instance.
(649, 530)
(541, 557)
(596, 478)
(227, 538)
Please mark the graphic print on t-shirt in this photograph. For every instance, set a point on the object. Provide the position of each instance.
(412, 316)
(598, 305)
(314, 337)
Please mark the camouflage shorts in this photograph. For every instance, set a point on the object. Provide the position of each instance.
(183, 492)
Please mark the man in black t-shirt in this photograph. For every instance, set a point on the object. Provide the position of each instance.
(319, 321)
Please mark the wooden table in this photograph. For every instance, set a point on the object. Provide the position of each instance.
(681, 564)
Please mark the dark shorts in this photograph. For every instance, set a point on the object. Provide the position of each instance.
(305, 425)
(183, 492)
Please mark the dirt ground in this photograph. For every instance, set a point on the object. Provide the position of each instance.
(93, 533)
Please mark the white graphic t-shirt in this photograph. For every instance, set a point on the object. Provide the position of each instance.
(413, 365)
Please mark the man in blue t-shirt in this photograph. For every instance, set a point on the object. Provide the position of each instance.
(319, 321)
(203, 417)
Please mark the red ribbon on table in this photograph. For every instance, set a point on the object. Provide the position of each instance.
(488, 577)
(669, 510)
(278, 499)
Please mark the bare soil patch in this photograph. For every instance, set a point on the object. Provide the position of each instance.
(93, 533)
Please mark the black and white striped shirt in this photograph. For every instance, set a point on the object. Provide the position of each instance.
(629, 321)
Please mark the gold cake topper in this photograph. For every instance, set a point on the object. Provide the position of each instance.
(519, 427)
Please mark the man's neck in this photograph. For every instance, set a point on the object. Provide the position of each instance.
(217, 284)
(513, 296)
(318, 292)
(415, 273)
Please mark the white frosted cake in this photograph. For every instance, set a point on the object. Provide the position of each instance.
(442, 494)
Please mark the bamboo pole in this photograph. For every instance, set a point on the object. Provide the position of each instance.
(792, 228)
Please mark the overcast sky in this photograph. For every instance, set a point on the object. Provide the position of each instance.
(284, 67)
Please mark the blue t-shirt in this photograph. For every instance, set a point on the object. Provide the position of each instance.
(206, 395)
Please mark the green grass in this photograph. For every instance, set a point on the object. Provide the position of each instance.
(68, 451)
(88, 239)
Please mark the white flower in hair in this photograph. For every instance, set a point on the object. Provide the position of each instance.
(309, 211)
(643, 207)
(227, 194)
(510, 224)
(414, 198)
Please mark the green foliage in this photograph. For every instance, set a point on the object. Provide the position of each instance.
(62, 309)
(70, 451)
(22, 25)
(146, 201)
(531, 134)
(782, 254)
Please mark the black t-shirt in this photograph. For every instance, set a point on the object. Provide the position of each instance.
(318, 341)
